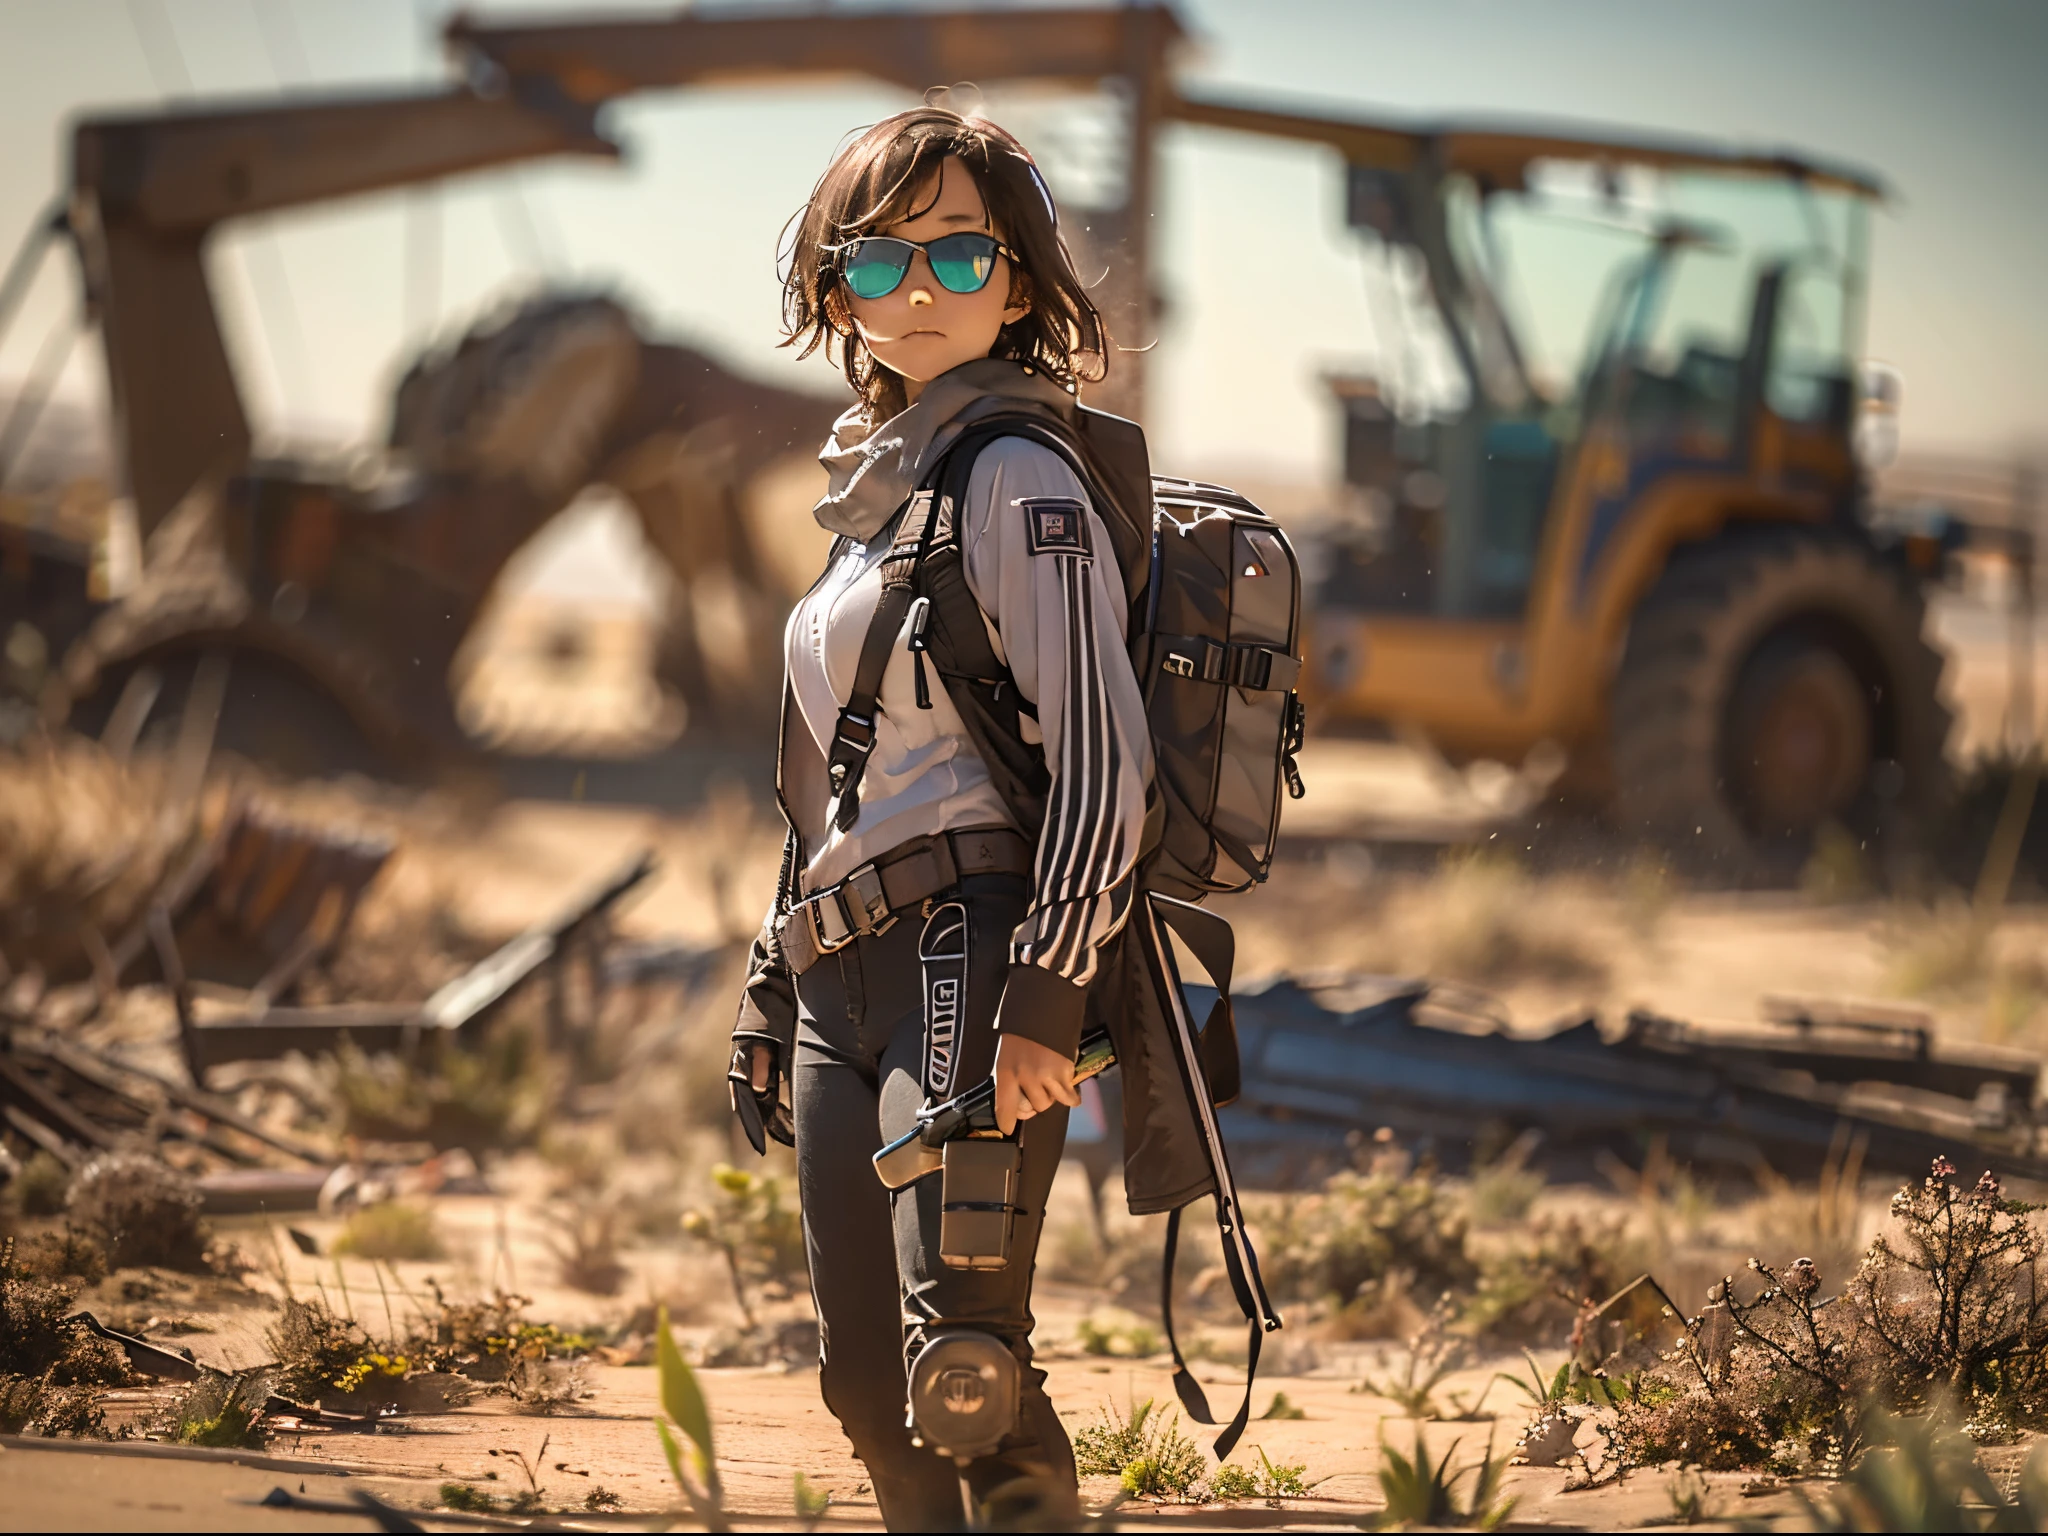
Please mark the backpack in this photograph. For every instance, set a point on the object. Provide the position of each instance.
(1214, 632)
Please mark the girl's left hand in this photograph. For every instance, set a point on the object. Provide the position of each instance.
(1030, 1079)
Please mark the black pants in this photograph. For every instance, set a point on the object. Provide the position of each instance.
(886, 1022)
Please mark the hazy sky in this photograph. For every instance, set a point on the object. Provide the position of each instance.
(1948, 102)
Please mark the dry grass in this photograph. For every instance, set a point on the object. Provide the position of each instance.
(396, 1229)
(1951, 955)
(1825, 1222)
(1838, 869)
(1483, 921)
(82, 843)
(142, 1212)
(1480, 918)
(1943, 951)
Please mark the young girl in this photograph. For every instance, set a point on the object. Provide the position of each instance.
(928, 931)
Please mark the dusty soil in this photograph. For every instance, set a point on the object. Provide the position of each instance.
(1369, 883)
(771, 1425)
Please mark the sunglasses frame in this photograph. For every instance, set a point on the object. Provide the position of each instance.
(843, 253)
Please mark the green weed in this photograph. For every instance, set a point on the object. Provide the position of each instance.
(810, 1502)
(1925, 1477)
(218, 1410)
(1419, 1492)
(1281, 1408)
(684, 1412)
(1150, 1456)
(1270, 1480)
(1119, 1334)
(396, 1229)
(41, 1185)
(753, 1222)
(1432, 1355)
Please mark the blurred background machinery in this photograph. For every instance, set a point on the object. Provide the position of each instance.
(1635, 551)
(341, 597)
(1605, 520)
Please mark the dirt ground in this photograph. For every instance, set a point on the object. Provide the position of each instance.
(771, 1424)
(1370, 882)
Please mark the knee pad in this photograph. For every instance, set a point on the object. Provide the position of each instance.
(963, 1392)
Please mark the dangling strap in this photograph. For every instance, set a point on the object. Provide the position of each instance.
(1209, 939)
(853, 738)
(1192, 1397)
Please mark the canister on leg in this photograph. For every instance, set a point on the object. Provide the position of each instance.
(978, 1202)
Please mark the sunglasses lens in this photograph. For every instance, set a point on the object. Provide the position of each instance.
(875, 267)
(962, 263)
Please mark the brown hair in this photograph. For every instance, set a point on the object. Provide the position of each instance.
(876, 182)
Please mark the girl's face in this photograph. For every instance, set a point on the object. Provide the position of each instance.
(922, 329)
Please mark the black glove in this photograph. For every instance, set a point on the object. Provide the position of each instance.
(765, 1114)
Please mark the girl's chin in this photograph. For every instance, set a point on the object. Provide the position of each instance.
(920, 365)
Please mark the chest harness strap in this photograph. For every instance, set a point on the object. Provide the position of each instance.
(853, 737)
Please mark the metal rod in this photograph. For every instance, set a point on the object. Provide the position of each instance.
(22, 269)
(35, 394)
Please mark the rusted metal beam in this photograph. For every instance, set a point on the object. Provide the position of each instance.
(1832, 1045)
(173, 174)
(1498, 150)
(483, 985)
(597, 58)
(33, 1099)
(280, 1031)
(391, 1027)
(1315, 1074)
(104, 1072)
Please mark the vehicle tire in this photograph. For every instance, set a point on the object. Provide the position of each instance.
(1775, 680)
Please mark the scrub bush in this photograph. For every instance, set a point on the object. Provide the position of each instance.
(1950, 1306)
(142, 1213)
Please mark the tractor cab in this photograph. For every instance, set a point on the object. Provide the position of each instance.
(1632, 321)
(1590, 355)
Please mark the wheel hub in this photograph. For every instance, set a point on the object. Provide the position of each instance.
(1802, 739)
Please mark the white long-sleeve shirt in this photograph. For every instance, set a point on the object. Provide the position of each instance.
(1056, 614)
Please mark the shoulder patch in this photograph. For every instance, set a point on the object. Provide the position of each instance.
(1056, 525)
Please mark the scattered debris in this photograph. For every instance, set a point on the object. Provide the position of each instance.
(1320, 1065)
(264, 1031)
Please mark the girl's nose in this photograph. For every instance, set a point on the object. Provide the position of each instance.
(921, 295)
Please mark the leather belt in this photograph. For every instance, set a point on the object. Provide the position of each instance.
(869, 900)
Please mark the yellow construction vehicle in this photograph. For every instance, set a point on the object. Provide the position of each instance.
(1605, 504)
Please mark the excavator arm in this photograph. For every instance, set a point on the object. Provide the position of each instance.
(148, 188)
(595, 61)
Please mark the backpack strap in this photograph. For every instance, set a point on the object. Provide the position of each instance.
(924, 556)
(1209, 939)
(853, 737)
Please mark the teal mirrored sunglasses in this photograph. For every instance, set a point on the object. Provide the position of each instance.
(873, 266)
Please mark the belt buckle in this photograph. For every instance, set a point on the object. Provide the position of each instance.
(866, 913)
(865, 886)
(826, 942)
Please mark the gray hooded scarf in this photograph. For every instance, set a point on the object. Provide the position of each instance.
(873, 470)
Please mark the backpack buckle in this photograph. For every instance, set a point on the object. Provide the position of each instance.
(855, 731)
(1178, 665)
